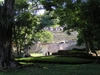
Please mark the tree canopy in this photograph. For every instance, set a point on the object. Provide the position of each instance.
(20, 24)
(79, 15)
(28, 25)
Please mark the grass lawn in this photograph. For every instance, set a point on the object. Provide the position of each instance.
(54, 59)
(56, 69)
(54, 65)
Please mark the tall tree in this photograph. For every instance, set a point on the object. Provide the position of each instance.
(22, 20)
(6, 25)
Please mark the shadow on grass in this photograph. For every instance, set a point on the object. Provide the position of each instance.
(61, 57)
(57, 60)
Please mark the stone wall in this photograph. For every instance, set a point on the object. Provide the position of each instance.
(54, 47)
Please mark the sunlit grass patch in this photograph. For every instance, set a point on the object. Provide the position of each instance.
(55, 59)
(25, 63)
(36, 54)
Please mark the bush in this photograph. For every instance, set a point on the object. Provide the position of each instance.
(72, 53)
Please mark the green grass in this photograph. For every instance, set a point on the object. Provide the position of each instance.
(56, 69)
(55, 65)
(54, 59)
(49, 65)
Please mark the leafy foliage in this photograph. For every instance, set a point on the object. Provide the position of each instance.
(44, 37)
(29, 26)
(79, 15)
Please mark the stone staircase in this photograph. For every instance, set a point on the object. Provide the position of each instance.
(60, 36)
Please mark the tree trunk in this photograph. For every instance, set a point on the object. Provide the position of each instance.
(6, 25)
(93, 50)
(86, 44)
